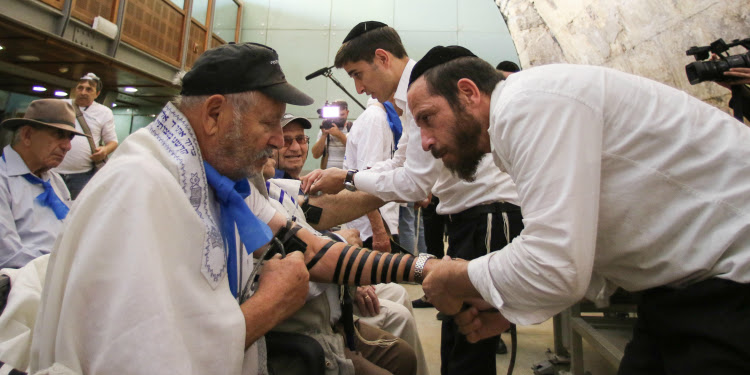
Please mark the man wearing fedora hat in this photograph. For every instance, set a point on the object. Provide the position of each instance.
(33, 199)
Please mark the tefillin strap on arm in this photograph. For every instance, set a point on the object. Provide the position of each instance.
(288, 237)
(312, 213)
(348, 260)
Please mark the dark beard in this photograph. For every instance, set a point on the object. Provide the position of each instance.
(466, 134)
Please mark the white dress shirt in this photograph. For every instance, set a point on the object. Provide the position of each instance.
(623, 182)
(27, 228)
(371, 141)
(413, 173)
(101, 122)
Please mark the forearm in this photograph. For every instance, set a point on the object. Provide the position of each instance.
(110, 147)
(343, 207)
(376, 222)
(342, 264)
(261, 313)
(341, 137)
(319, 147)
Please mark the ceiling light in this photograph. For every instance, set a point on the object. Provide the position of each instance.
(2, 48)
(114, 105)
(30, 58)
(130, 89)
(39, 88)
(61, 93)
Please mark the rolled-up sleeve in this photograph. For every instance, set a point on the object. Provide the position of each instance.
(409, 183)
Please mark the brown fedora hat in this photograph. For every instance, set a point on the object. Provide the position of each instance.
(55, 113)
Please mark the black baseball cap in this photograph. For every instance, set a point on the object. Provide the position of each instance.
(233, 68)
(436, 56)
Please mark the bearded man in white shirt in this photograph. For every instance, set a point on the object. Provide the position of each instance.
(624, 182)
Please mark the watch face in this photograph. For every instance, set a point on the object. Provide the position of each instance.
(350, 187)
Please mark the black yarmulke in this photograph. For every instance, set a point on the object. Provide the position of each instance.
(436, 56)
(362, 28)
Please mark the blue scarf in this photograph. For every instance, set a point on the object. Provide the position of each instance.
(253, 232)
(48, 198)
(394, 122)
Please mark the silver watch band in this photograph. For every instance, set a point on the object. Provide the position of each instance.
(419, 266)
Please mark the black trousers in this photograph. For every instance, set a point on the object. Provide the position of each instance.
(701, 329)
(434, 229)
(469, 234)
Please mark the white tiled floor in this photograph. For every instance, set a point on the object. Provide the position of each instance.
(533, 342)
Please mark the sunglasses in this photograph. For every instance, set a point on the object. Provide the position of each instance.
(301, 139)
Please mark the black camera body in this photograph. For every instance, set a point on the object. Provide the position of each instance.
(700, 71)
(329, 123)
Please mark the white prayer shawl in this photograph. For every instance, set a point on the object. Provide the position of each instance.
(19, 315)
(137, 281)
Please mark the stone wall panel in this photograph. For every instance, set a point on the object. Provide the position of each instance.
(644, 37)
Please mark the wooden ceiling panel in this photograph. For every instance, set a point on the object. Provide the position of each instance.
(51, 57)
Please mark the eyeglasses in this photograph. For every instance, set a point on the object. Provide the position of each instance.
(301, 139)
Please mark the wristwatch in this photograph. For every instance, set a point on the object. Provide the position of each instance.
(349, 181)
(419, 266)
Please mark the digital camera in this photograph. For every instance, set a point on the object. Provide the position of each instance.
(700, 71)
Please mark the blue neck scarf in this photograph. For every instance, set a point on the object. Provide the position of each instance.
(253, 232)
(394, 122)
(48, 198)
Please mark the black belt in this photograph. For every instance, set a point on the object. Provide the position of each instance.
(484, 209)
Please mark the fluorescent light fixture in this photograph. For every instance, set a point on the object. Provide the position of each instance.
(130, 89)
(39, 88)
(61, 93)
(28, 58)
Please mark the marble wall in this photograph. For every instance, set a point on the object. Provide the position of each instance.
(644, 37)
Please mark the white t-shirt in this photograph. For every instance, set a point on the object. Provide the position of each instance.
(101, 121)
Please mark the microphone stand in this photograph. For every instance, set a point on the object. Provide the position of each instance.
(329, 74)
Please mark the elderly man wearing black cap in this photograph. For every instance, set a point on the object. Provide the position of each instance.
(624, 182)
(33, 199)
(149, 270)
(481, 214)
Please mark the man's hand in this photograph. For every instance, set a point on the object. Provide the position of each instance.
(444, 284)
(423, 203)
(740, 76)
(367, 301)
(99, 155)
(329, 181)
(477, 324)
(351, 236)
(287, 280)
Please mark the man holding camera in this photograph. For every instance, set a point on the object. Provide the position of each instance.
(331, 143)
